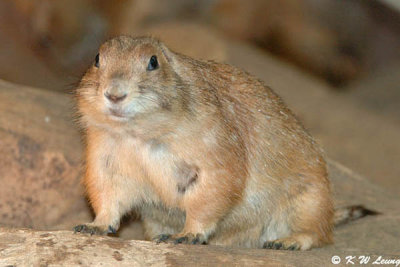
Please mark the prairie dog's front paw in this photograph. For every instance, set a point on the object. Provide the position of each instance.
(198, 239)
(94, 229)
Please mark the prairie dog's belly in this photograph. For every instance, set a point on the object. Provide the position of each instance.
(147, 168)
(119, 162)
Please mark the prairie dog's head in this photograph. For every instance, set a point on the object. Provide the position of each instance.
(130, 78)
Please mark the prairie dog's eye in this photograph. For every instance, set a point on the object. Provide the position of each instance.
(97, 61)
(153, 63)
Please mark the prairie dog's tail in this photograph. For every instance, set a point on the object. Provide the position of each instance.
(350, 213)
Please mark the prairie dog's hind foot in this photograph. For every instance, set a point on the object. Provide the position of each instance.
(295, 242)
(198, 239)
(94, 229)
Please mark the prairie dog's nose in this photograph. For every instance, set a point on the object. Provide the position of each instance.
(114, 97)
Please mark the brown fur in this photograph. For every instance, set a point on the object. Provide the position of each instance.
(204, 151)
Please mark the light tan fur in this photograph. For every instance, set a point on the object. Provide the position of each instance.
(204, 151)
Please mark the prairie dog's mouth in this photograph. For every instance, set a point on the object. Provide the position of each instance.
(117, 114)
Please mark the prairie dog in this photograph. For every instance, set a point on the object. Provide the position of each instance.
(205, 152)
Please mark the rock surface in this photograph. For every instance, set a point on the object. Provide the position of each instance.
(40, 166)
(20, 247)
(40, 162)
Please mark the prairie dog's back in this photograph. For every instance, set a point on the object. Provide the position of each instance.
(272, 132)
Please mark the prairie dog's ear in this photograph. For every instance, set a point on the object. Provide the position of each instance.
(168, 54)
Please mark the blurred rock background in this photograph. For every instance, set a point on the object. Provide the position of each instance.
(336, 63)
